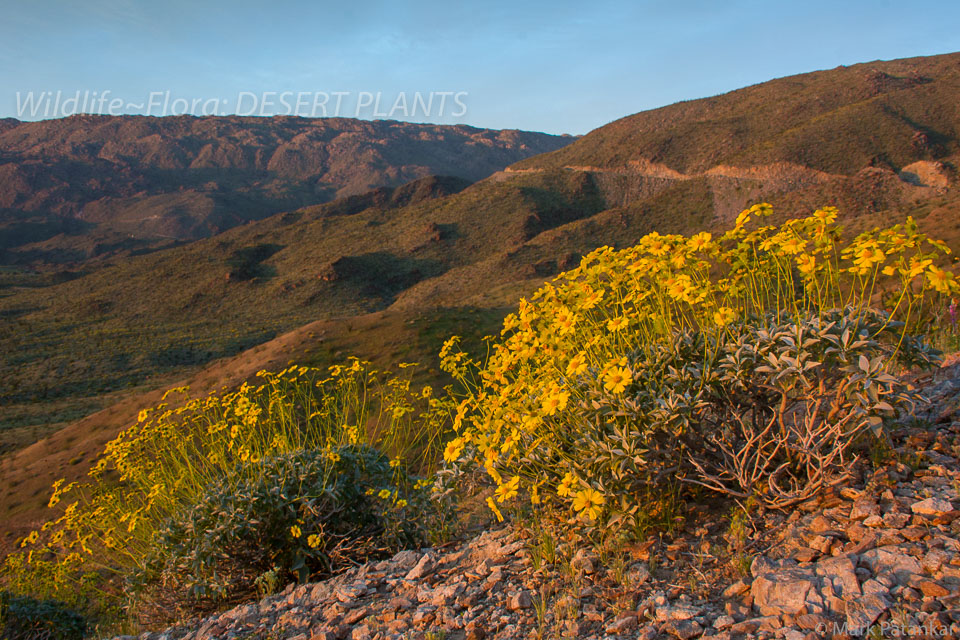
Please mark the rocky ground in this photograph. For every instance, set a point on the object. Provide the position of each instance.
(878, 557)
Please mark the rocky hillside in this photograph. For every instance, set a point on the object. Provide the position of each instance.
(885, 114)
(95, 184)
(879, 556)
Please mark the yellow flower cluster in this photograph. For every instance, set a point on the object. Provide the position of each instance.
(565, 350)
(167, 459)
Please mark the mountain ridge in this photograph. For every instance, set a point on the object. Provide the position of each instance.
(134, 180)
(836, 120)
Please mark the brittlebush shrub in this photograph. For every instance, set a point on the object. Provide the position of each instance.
(198, 484)
(749, 364)
(308, 513)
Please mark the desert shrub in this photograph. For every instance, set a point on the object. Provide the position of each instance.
(310, 512)
(160, 469)
(26, 618)
(695, 360)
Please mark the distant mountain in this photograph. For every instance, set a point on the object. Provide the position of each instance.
(89, 185)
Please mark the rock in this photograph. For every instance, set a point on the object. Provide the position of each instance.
(764, 623)
(913, 533)
(840, 571)
(863, 508)
(932, 507)
(648, 632)
(405, 560)
(790, 590)
(811, 621)
(864, 611)
(623, 624)
(519, 601)
(723, 622)
(356, 615)
(892, 561)
(873, 521)
(820, 525)
(736, 589)
(896, 520)
(683, 629)
(676, 612)
(584, 562)
(932, 589)
(424, 567)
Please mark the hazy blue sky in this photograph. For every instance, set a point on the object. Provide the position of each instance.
(549, 66)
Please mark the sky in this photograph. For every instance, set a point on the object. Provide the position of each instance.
(558, 67)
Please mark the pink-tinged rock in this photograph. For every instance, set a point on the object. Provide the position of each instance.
(683, 629)
(864, 611)
(788, 590)
(841, 572)
(892, 561)
(863, 508)
(425, 566)
(623, 624)
(932, 507)
(520, 600)
(764, 623)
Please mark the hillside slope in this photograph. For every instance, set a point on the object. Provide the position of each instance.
(886, 114)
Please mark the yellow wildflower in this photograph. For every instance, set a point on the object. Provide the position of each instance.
(591, 299)
(589, 502)
(724, 316)
(700, 241)
(577, 365)
(826, 215)
(566, 320)
(618, 323)
(617, 379)
(555, 401)
(792, 245)
(806, 263)
(295, 531)
(941, 280)
(508, 490)
(493, 507)
(565, 488)
(453, 450)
